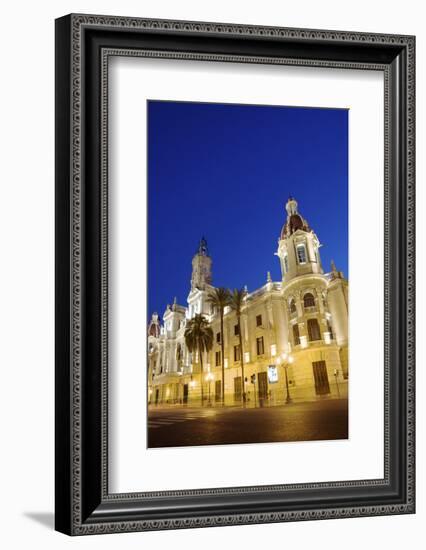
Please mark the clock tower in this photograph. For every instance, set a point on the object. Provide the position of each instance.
(201, 280)
(201, 267)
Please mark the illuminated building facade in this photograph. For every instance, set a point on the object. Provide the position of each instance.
(294, 333)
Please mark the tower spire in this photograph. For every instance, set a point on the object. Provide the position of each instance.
(202, 247)
(291, 206)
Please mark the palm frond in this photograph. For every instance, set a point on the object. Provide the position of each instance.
(236, 301)
(219, 298)
(198, 334)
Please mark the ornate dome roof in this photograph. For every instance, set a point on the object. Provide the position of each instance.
(154, 327)
(294, 220)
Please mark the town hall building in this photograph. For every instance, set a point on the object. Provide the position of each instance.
(294, 333)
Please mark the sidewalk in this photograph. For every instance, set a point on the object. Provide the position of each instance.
(268, 403)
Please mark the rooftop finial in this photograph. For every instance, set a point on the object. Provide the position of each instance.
(291, 206)
(202, 247)
(268, 277)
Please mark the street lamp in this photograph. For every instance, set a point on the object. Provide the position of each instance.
(336, 373)
(209, 378)
(192, 385)
(286, 360)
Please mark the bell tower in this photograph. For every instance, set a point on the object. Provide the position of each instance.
(298, 245)
(201, 267)
(201, 280)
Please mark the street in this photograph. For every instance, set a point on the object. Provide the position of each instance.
(178, 426)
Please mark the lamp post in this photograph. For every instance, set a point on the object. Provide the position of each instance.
(253, 381)
(336, 373)
(192, 385)
(286, 360)
(209, 378)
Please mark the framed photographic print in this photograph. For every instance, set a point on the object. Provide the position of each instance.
(234, 274)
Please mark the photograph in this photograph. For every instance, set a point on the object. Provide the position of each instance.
(248, 274)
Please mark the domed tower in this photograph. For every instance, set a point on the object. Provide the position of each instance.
(154, 327)
(298, 246)
(316, 320)
(201, 267)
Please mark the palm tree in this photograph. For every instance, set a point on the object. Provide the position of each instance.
(199, 337)
(219, 299)
(237, 297)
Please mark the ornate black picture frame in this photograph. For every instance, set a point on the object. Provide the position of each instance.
(84, 44)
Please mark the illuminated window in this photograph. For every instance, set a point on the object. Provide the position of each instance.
(313, 330)
(273, 350)
(301, 254)
(308, 300)
(259, 346)
(296, 335)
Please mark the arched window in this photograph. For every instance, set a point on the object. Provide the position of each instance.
(313, 330)
(292, 306)
(301, 253)
(308, 300)
(296, 335)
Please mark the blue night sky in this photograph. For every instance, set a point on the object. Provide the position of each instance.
(225, 171)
